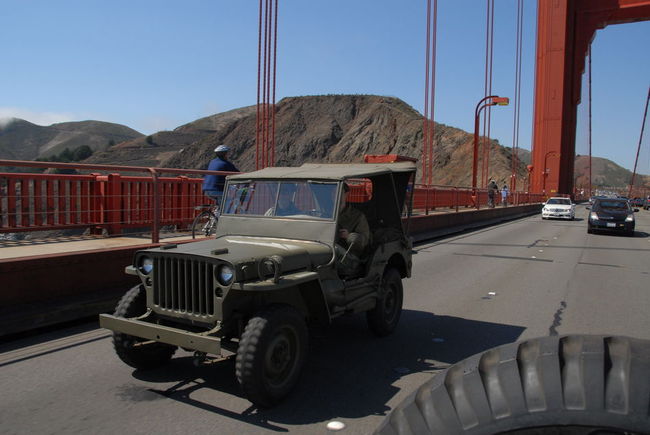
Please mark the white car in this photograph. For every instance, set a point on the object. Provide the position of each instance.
(562, 208)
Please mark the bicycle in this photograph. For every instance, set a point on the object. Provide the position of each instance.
(205, 223)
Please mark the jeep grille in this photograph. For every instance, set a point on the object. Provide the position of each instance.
(184, 285)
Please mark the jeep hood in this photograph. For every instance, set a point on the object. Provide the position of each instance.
(296, 254)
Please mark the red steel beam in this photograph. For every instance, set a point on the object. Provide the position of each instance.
(565, 31)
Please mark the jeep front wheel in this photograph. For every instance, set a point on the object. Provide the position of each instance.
(383, 319)
(134, 351)
(271, 353)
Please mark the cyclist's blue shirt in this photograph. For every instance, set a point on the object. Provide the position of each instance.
(215, 182)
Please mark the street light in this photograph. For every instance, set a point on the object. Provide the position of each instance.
(545, 174)
(492, 100)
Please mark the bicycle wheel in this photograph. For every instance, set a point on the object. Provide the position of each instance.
(204, 224)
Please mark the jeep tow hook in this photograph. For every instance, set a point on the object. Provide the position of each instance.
(199, 358)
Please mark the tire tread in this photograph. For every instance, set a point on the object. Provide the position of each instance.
(601, 381)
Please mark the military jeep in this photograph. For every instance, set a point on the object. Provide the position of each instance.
(269, 272)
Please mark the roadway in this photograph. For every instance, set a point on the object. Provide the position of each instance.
(469, 292)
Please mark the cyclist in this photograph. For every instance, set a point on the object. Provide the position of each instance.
(213, 184)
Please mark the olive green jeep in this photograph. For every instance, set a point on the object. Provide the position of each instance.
(276, 264)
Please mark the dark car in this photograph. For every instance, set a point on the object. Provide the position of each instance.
(636, 202)
(611, 214)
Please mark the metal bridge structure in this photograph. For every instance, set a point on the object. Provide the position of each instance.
(565, 31)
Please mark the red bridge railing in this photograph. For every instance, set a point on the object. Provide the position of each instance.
(114, 202)
(111, 202)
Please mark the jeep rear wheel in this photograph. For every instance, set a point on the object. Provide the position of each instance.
(383, 319)
(271, 354)
(134, 351)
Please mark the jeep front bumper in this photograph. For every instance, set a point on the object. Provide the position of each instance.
(163, 334)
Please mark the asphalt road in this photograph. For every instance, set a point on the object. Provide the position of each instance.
(469, 292)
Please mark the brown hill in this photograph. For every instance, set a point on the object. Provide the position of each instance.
(606, 175)
(328, 128)
(22, 140)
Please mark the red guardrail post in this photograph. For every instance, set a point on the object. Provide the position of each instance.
(155, 231)
(456, 191)
(426, 201)
(24, 202)
(433, 189)
(184, 212)
(61, 192)
(113, 203)
(11, 203)
(49, 201)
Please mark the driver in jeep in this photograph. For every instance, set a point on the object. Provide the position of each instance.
(353, 237)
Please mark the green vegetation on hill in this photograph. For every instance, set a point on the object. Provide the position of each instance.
(66, 156)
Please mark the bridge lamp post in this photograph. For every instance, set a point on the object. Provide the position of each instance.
(492, 100)
(546, 171)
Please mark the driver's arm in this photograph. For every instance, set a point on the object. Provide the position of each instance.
(359, 234)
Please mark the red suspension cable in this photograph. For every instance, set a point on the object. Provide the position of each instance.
(266, 70)
(428, 126)
(257, 117)
(425, 125)
(517, 93)
(489, 36)
(636, 160)
(589, 124)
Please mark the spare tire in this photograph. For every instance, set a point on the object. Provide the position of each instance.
(569, 384)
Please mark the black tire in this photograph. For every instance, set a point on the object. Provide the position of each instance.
(550, 384)
(271, 353)
(130, 349)
(204, 224)
(383, 319)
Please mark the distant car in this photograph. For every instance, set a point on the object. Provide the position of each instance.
(646, 203)
(611, 214)
(636, 202)
(594, 198)
(561, 208)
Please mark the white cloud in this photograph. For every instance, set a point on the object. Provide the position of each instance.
(38, 118)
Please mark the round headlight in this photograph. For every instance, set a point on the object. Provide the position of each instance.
(270, 267)
(146, 265)
(225, 274)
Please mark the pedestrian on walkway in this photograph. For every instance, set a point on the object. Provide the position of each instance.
(492, 189)
(504, 195)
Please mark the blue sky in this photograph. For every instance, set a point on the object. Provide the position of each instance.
(155, 65)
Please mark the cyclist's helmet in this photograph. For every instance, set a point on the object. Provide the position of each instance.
(222, 149)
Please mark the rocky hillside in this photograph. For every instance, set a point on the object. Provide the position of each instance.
(22, 140)
(325, 128)
(606, 174)
(159, 148)
(329, 128)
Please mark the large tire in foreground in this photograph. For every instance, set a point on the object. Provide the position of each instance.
(135, 351)
(271, 354)
(578, 384)
(383, 319)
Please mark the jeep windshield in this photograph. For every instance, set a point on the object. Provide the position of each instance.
(285, 199)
